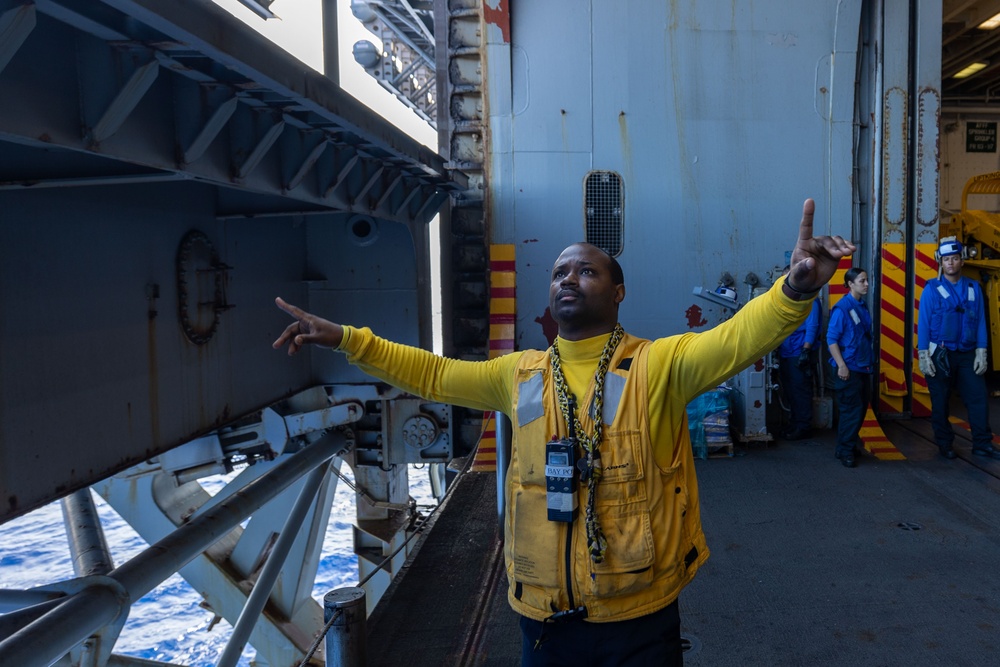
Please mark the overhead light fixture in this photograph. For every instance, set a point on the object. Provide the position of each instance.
(260, 7)
(990, 23)
(971, 69)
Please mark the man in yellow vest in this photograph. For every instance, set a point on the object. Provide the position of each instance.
(602, 528)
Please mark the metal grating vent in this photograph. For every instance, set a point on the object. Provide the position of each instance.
(604, 208)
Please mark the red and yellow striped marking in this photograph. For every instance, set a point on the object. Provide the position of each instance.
(871, 432)
(837, 287)
(875, 441)
(486, 452)
(503, 310)
(893, 345)
(925, 268)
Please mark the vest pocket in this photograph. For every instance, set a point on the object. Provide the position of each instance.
(628, 562)
(620, 460)
(535, 546)
(533, 596)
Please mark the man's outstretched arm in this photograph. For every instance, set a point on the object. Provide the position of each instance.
(481, 385)
(696, 362)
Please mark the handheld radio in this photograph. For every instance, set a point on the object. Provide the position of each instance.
(560, 469)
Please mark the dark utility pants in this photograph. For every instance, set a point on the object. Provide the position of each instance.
(972, 389)
(654, 639)
(853, 396)
(798, 386)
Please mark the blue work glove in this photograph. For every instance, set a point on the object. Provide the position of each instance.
(803, 361)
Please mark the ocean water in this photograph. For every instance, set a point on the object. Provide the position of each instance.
(168, 624)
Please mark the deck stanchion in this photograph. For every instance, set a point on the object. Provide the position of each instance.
(347, 640)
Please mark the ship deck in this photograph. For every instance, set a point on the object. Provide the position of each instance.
(889, 563)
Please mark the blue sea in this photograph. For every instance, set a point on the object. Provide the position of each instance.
(168, 625)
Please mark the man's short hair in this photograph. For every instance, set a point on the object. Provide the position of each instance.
(617, 275)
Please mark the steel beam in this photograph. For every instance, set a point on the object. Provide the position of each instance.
(124, 103)
(269, 575)
(307, 163)
(15, 26)
(108, 597)
(88, 548)
(163, 73)
(273, 127)
(198, 25)
(372, 180)
(210, 130)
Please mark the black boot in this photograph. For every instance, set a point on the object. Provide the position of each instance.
(987, 451)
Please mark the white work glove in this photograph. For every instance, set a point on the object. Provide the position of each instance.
(979, 365)
(926, 365)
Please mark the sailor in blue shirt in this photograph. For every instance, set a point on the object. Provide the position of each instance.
(849, 337)
(951, 348)
(796, 358)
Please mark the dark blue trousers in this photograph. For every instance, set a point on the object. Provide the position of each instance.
(853, 396)
(797, 383)
(654, 639)
(972, 389)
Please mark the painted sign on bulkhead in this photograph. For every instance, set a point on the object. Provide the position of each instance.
(981, 137)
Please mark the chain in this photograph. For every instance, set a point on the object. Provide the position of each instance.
(597, 545)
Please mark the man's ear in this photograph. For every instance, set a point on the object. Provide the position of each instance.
(619, 293)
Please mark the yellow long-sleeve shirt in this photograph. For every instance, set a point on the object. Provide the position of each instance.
(680, 367)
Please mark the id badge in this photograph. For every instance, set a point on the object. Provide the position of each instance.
(560, 479)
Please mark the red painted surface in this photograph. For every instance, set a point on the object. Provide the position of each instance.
(549, 327)
(500, 17)
(694, 316)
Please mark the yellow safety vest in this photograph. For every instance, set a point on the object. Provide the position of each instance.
(648, 514)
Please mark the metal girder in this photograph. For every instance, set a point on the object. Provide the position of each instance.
(252, 139)
(260, 7)
(124, 103)
(342, 173)
(406, 38)
(388, 191)
(411, 25)
(218, 114)
(154, 86)
(233, 574)
(319, 146)
(16, 23)
(104, 600)
(372, 180)
(246, 53)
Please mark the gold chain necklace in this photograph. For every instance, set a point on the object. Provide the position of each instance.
(597, 545)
